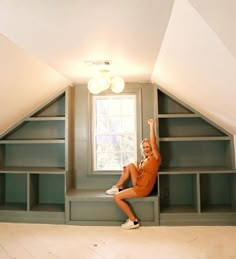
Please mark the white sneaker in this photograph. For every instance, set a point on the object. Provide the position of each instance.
(113, 190)
(129, 224)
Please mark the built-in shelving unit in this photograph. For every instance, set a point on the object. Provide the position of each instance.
(198, 174)
(196, 182)
(34, 162)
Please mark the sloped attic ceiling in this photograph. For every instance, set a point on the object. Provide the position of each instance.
(197, 61)
(175, 43)
(220, 16)
(64, 34)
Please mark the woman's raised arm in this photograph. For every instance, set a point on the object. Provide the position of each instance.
(153, 141)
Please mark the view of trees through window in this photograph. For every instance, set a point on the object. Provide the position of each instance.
(115, 137)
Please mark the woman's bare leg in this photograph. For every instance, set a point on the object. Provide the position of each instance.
(119, 199)
(129, 171)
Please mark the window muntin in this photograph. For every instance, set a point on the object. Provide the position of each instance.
(114, 131)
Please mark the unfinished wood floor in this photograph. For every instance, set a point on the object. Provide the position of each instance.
(35, 241)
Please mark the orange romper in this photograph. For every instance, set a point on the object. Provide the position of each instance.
(148, 170)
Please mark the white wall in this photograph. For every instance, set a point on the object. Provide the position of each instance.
(25, 83)
(195, 65)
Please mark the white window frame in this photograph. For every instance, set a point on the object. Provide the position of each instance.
(137, 94)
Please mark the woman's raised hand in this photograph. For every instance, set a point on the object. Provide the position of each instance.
(151, 122)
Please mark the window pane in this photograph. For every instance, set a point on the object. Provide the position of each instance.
(128, 124)
(114, 131)
(128, 106)
(103, 163)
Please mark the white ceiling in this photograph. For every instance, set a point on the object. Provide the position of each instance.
(129, 33)
(64, 34)
(186, 46)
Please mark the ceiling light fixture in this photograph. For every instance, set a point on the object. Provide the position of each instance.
(103, 80)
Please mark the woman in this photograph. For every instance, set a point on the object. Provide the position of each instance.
(143, 178)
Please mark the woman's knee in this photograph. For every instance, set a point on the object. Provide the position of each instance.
(128, 169)
(131, 165)
(117, 198)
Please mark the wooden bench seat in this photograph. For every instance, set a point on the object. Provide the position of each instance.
(94, 207)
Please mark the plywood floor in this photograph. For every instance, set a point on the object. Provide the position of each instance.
(35, 241)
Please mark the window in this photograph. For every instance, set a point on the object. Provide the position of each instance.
(114, 131)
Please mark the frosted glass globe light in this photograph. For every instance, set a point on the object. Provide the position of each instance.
(104, 82)
(117, 84)
(93, 86)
